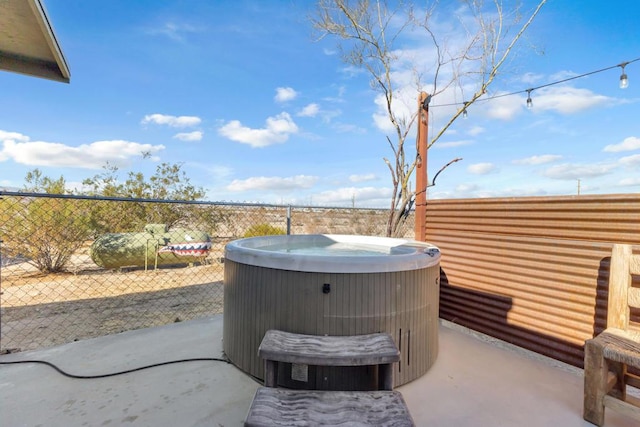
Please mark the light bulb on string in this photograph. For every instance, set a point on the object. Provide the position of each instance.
(529, 101)
(624, 80)
(464, 111)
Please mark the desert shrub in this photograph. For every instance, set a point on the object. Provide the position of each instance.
(170, 182)
(263, 230)
(44, 230)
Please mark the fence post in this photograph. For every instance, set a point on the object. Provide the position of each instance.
(1, 288)
(422, 182)
(289, 220)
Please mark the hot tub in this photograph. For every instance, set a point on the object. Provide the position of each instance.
(332, 285)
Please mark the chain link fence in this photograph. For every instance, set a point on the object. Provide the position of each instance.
(74, 267)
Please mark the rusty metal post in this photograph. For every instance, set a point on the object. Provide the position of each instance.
(421, 168)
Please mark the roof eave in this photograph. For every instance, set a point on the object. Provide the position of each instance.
(54, 68)
(40, 13)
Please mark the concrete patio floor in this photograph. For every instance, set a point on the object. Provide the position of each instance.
(476, 381)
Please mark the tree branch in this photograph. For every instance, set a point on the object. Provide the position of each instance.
(433, 182)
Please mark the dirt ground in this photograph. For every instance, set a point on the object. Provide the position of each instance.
(41, 310)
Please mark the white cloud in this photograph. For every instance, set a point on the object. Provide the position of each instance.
(174, 31)
(284, 94)
(504, 108)
(475, 131)
(629, 182)
(173, 121)
(329, 115)
(571, 171)
(562, 75)
(348, 128)
(310, 110)
(538, 160)
(189, 136)
(219, 171)
(481, 168)
(475, 191)
(466, 188)
(566, 99)
(403, 106)
(10, 137)
(530, 78)
(631, 161)
(14, 136)
(273, 183)
(277, 130)
(88, 156)
(628, 144)
(351, 71)
(361, 196)
(340, 96)
(451, 144)
(362, 177)
(514, 192)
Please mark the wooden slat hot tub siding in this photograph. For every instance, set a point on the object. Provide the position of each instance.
(404, 304)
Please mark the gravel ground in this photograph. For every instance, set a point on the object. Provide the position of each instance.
(40, 311)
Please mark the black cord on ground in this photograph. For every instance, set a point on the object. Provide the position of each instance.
(113, 374)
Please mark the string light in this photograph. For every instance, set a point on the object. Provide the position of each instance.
(624, 83)
(464, 112)
(624, 80)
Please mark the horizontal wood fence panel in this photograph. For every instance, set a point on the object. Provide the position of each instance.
(532, 271)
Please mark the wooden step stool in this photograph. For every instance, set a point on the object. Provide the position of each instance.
(356, 350)
(282, 407)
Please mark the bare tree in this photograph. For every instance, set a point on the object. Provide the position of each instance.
(369, 36)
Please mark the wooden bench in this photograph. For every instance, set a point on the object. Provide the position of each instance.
(282, 407)
(607, 356)
(357, 350)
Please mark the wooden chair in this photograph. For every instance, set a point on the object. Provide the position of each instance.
(607, 356)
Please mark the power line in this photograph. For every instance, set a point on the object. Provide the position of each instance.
(623, 81)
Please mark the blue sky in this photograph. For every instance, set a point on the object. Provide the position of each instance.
(257, 111)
